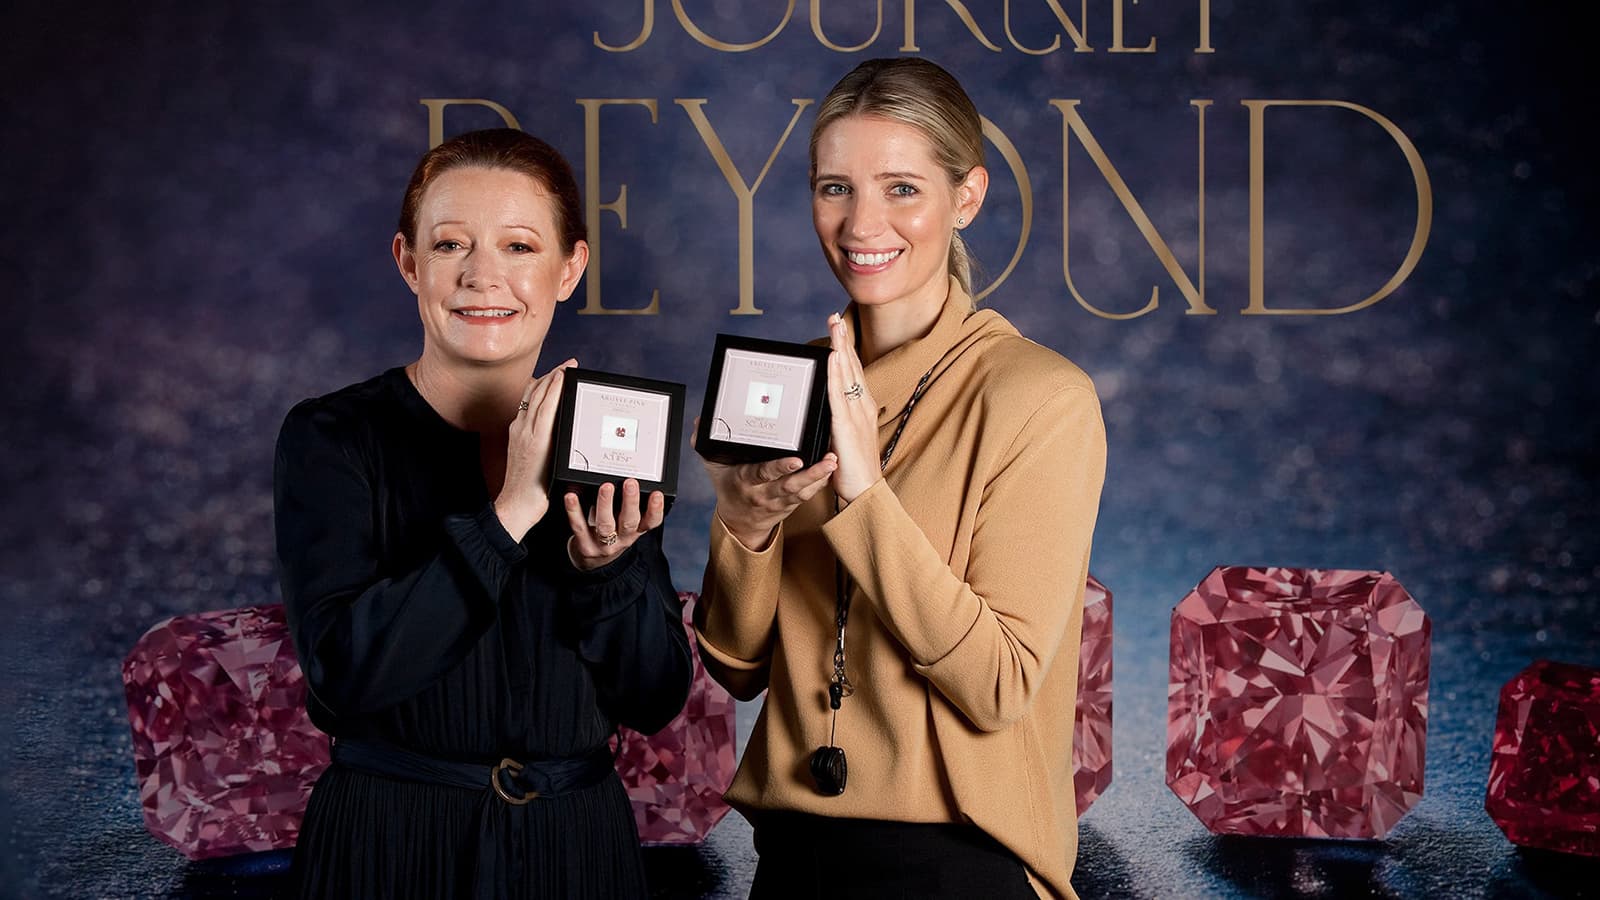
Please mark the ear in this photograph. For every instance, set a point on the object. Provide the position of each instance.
(970, 193)
(572, 270)
(406, 261)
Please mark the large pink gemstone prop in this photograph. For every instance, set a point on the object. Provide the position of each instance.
(1298, 702)
(1544, 777)
(675, 778)
(1091, 732)
(223, 749)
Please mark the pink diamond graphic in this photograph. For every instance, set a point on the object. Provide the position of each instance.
(224, 752)
(765, 399)
(1091, 731)
(1544, 777)
(622, 432)
(1297, 702)
(676, 777)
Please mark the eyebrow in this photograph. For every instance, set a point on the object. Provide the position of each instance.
(438, 225)
(881, 176)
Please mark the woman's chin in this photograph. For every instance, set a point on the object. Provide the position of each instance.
(487, 357)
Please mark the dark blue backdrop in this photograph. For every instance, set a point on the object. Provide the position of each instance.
(199, 201)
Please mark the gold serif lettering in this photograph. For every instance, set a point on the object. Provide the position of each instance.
(1072, 123)
(744, 193)
(1074, 31)
(1258, 275)
(436, 107)
(592, 305)
(700, 35)
(644, 32)
(910, 46)
(816, 29)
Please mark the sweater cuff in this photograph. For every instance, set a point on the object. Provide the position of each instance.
(888, 557)
(486, 547)
(739, 598)
(599, 594)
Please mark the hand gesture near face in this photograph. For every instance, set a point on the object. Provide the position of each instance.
(753, 498)
(855, 417)
(525, 493)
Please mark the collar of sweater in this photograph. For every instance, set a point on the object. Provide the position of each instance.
(893, 377)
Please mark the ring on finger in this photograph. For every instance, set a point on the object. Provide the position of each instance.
(607, 540)
(523, 406)
(853, 391)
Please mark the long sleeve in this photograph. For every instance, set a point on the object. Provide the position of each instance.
(738, 607)
(368, 638)
(628, 629)
(986, 643)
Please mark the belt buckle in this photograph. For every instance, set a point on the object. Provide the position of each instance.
(509, 764)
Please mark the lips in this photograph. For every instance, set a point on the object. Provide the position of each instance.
(484, 314)
(871, 258)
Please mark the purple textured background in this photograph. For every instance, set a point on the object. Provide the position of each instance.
(197, 216)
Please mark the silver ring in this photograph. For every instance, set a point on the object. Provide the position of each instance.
(607, 540)
(523, 406)
(853, 391)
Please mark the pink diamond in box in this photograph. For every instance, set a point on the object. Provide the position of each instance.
(675, 778)
(1544, 776)
(1091, 731)
(1297, 702)
(223, 749)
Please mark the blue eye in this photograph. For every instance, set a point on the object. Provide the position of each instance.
(903, 190)
(834, 189)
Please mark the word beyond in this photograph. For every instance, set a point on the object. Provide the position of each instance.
(1074, 128)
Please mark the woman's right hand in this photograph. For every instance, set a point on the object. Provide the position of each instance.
(754, 498)
(525, 493)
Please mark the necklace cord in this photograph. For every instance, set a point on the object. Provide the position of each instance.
(839, 686)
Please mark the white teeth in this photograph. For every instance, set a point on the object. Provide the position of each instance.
(485, 313)
(871, 259)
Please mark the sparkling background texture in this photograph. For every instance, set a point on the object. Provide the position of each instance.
(195, 236)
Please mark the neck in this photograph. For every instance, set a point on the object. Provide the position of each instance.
(472, 398)
(881, 329)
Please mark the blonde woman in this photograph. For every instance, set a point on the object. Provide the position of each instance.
(911, 603)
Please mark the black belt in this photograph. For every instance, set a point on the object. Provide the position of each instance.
(514, 782)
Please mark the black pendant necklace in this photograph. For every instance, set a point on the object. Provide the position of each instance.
(828, 765)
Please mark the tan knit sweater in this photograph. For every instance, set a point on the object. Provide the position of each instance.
(969, 561)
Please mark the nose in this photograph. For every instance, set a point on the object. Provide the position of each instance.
(865, 217)
(480, 270)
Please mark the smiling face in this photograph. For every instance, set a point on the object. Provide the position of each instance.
(885, 210)
(487, 266)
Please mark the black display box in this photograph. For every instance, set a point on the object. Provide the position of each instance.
(764, 400)
(610, 428)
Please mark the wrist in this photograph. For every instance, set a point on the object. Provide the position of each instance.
(519, 516)
(753, 536)
(848, 493)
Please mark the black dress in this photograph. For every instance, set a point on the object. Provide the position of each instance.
(419, 622)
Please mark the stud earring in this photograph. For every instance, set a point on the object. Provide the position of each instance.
(960, 221)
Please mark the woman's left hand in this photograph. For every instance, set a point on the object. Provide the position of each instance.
(855, 417)
(593, 546)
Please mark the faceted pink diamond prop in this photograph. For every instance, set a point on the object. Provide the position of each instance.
(223, 749)
(676, 777)
(1091, 731)
(1298, 702)
(1544, 777)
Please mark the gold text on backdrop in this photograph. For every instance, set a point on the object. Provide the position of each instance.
(1075, 30)
(1073, 126)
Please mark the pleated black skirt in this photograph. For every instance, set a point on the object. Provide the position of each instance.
(366, 836)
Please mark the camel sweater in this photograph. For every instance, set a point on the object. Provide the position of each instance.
(969, 561)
